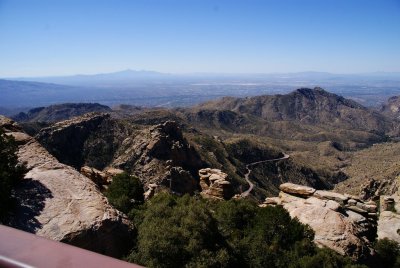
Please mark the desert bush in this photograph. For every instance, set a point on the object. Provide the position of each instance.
(125, 192)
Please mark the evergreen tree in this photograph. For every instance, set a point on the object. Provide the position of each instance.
(10, 172)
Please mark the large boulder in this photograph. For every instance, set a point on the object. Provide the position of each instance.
(389, 226)
(331, 196)
(296, 189)
(389, 218)
(335, 223)
(215, 184)
(56, 201)
(332, 229)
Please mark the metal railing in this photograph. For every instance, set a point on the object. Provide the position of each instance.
(20, 249)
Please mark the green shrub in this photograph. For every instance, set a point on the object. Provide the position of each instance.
(261, 237)
(178, 232)
(324, 258)
(125, 192)
(388, 253)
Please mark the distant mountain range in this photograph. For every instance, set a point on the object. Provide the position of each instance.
(59, 112)
(155, 89)
(104, 79)
(122, 77)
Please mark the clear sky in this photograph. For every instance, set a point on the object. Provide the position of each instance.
(62, 37)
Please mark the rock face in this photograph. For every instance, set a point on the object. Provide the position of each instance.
(65, 140)
(157, 154)
(161, 155)
(340, 223)
(214, 184)
(57, 202)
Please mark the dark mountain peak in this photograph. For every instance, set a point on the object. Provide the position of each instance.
(320, 95)
(313, 92)
(394, 98)
(168, 128)
(36, 110)
(58, 112)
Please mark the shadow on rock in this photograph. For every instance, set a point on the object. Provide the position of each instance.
(30, 196)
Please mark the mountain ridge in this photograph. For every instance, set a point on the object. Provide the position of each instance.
(310, 106)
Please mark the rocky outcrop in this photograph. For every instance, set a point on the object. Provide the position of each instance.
(389, 218)
(156, 155)
(56, 201)
(370, 189)
(179, 181)
(392, 107)
(100, 178)
(151, 191)
(160, 155)
(340, 222)
(215, 184)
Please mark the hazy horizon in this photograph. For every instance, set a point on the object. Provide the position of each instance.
(205, 73)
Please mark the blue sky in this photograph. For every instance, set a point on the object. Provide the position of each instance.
(39, 38)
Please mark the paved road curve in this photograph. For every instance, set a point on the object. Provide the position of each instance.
(246, 176)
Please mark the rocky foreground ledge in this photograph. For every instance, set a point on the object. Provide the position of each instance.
(57, 202)
(343, 223)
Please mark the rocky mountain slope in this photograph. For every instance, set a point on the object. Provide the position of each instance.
(378, 164)
(305, 114)
(391, 108)
(309, 106)
(169, 154)
(56, 201)
(157, 154)
(320, 131)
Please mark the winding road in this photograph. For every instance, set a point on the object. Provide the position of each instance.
(246, 176)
